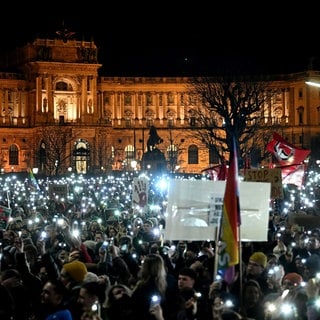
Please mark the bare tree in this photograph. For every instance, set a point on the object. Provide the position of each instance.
(56, 140)
(230, 107)
(103, 152)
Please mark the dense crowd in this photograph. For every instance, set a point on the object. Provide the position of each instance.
(61, 261)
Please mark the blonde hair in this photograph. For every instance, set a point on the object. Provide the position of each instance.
(153, 270)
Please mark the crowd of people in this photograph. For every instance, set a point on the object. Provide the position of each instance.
(75, 267)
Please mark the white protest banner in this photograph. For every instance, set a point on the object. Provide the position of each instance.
(195, 206)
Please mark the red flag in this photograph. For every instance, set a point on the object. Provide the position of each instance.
(285, 152)
(222, 174)
(229, 255)
(290, 159)
(295, 177)
(217, 172)
(5, 214)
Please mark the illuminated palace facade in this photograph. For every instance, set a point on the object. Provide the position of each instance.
(56, 83)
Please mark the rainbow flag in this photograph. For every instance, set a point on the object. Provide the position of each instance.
(33, 183)
(230, 222)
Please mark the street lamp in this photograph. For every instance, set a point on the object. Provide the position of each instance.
(312, 83)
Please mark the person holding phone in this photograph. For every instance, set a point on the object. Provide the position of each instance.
(152, 282)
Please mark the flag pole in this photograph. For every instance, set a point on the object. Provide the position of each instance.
(240, 267)
(216, 251)
(8, 199)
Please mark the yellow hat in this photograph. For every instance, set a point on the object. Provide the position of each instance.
(76, 270)
(259, 258)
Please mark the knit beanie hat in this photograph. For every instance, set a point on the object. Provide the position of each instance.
(259, 258)
(293, 277)
(76, 270)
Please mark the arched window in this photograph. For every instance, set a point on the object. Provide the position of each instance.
(61, 86)
(81, 154)
(42, 156)
(300, 114)
(213, 155)
(172, 152)
(13, 155)
(193, 154)
(129, 152)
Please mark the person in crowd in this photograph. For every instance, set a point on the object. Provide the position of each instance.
(72, 276)
(313, 294)
(313, 245)
(113, 235)
(312, 267)
(152, 284)
(288, 262)
(93, 227)
(300, 266)
(301, 247)
(177, 257)
(220, 299)
(118, 304)
(189, 308)
(99, 237)
(12, 281)
(252, 306)
(112, 264)
(29, 276)
(191, 253)
(289, 302)
(290, 234)
(7, 304)
(186, 278)
(126, 253)
(8, 237)
(206, 256)
(91, 297)
(203, 277)
(50, 264)
(53, 302)
(255, 269)
(188, 282)
(52, 238)
(280, 248)
(145, 234)
(275, 272)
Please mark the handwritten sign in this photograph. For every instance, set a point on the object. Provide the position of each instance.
(267, 175)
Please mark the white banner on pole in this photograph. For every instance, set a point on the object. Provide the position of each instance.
(195, 206)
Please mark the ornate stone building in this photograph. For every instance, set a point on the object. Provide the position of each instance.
(103, 123)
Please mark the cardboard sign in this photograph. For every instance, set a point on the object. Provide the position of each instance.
(267, 175)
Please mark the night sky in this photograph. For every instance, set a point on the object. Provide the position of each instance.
(176, 38)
